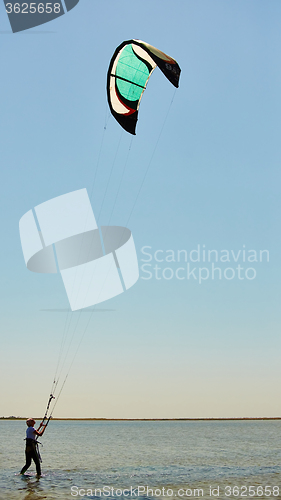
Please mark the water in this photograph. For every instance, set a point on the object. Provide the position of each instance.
(121, 455)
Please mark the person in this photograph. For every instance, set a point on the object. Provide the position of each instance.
(31, 446)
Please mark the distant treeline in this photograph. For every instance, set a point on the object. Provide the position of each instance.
(153, 419)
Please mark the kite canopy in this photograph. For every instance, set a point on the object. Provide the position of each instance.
(129, 71)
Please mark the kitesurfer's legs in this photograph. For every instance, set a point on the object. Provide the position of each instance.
(31, 453)
(28, 457)
(37, 462)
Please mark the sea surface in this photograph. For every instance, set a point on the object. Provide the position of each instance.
(147, 460)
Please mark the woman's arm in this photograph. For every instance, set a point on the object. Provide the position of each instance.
(40, 433)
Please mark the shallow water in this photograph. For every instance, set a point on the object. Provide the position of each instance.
(121, 455)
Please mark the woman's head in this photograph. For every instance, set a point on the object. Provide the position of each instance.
(30, 422)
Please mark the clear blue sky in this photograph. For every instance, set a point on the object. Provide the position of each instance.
(167, 348)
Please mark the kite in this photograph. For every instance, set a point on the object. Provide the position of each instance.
(129, 71)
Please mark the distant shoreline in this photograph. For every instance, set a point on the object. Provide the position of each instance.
(152, 419)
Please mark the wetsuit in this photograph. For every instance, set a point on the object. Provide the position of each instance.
(31, 451)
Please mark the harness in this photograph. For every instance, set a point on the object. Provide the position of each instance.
(34, 443)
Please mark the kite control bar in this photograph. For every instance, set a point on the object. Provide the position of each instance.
(46, 412)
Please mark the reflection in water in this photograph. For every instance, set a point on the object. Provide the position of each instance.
(32, 490)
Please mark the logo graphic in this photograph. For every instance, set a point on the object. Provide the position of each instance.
(26, 15)
(95, 264)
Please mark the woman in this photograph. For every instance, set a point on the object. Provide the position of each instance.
(31, 445)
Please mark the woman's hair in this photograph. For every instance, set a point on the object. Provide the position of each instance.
(30, 422)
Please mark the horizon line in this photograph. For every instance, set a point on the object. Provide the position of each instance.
(148, 419)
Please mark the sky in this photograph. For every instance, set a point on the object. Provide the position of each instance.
(207, 159)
